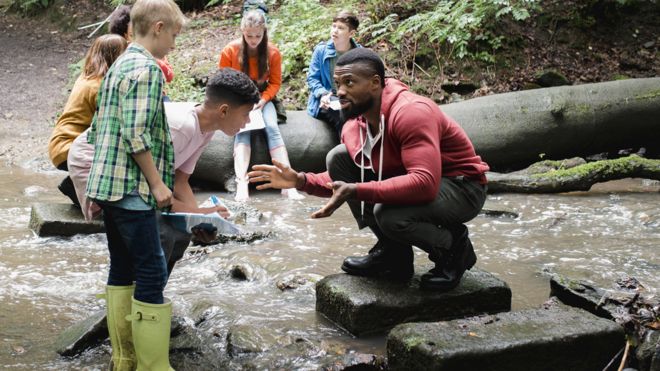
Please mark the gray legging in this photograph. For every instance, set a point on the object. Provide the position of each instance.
(427, 226)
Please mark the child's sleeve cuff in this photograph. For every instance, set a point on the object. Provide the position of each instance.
(138, 144)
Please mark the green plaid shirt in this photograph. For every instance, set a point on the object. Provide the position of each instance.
(130, 118)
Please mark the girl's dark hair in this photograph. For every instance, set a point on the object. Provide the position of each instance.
(102, 54)
(255, 18)
(231, 86)
(119, 20)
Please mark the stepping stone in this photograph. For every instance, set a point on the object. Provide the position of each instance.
(559, 338)
(82, 335)
(365, 305)
(61, 220)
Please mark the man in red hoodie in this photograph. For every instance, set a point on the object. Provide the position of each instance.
(407, 171)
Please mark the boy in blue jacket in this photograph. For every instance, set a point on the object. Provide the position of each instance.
(320, 79)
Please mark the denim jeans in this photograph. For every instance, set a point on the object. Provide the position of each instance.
(273, 135)
(426, 226)
(173, 241)
(136, 254)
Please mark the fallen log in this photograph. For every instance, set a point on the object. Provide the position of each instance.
(510, 131)
(513, 130)
(572, 175)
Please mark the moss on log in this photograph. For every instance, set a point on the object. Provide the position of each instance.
(572, 175)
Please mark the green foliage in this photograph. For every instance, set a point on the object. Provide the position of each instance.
(184, 89)
(452, 29)
(216, 2)
(296, 27)
(29, 6)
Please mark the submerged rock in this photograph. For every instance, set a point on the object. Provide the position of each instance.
(648, 352)
(364, 305)
(626, 304)
(292, 282)
(61, 220)
(82, 335)
(557, 338)
(244, 339)
(242, 272)
(191, 349)
(307, 354)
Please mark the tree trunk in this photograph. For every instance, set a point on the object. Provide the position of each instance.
(509, 131)
(513, 130)
(572, 175)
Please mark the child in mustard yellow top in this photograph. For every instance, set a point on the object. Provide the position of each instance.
(81, 105)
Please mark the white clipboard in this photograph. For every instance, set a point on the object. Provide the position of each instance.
(256, 121)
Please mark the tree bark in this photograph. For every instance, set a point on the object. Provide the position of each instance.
(572, 175)
(509, 131)
(513, 130)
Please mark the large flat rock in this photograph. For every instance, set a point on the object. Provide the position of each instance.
(61, 220)
(82, 335)
(557, 338)
(364, 305)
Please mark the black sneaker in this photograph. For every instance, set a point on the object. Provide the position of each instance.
(67, 188)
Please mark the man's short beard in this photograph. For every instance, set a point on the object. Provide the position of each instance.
(356, 110)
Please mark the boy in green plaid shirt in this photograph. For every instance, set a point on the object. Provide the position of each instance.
(132, 176)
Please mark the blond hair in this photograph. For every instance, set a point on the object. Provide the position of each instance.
(147, 12)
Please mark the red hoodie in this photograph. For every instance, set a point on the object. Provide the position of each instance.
(421, 145)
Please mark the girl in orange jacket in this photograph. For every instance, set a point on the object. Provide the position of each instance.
(255, 56)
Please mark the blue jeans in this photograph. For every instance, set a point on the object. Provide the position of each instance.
(273, 135)
(136, 254)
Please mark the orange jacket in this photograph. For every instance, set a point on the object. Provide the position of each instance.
(230, 57)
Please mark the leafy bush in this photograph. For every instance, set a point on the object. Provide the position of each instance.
(296, 27)
(29, 6)
(452, 29)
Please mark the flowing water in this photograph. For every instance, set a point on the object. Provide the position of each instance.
(46, 284)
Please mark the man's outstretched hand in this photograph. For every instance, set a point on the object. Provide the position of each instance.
(278, 176)
(341, 192)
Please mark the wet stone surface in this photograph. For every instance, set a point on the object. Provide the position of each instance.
(82, 335)
(364, 305)
(556, 338)
(61, 220)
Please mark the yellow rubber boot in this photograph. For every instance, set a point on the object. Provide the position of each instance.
(118, 302)
(151, 335)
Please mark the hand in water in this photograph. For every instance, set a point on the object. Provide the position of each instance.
(341, 192)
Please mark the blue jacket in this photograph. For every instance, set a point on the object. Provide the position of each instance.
(319, 80)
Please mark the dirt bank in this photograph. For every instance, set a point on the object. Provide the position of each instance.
(35, 56)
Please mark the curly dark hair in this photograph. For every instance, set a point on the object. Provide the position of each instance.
(231, 86)
(119, 20)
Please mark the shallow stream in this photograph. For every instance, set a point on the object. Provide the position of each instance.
(46, 284)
